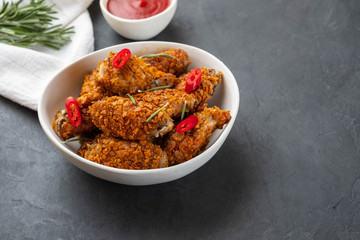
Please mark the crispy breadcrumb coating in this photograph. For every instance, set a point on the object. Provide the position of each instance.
(91, 90)
(176, 66)
(134, 75)
(209, 80)
(175, 98)
(120, 117)
(124, 154)
(181, 147)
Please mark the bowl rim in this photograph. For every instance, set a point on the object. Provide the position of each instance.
(104, 9)
(216, 145)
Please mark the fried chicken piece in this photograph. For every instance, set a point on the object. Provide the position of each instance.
(91, 91)
(181, 147)
(120, 117)
(177, 66)
(124, 154)
(177, 97)
(133, 76)
(209, 80)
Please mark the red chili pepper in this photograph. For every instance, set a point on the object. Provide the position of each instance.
(121, 58)
(187, 124)
(73, 111)
(193, 80)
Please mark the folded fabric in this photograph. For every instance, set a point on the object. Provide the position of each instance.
(26, 72)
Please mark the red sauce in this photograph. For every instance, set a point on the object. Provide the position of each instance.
(136, 9)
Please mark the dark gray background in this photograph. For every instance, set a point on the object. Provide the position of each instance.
(290, 168)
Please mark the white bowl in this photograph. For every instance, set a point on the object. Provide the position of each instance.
(68, 83)
(139, 29)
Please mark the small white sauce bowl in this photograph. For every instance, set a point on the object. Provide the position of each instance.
(139, 29)
(68, 83)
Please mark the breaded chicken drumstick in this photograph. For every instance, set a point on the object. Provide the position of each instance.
(124, 154)
(177, 97)
(120, 117)
(177, 65)
(181, 147)
(210, 78)
(133, 76)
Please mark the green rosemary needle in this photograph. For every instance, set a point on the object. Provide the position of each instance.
(132, 98)
(157, 88)
(30, 25)
(157, 55)
(152, 115)
(183, 111)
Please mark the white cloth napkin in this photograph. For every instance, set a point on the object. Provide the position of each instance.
(24, 72)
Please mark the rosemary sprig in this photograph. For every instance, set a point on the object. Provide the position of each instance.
(152, 115)
(30, 25)
(132, 98)
(157, 88)
(157, 55)
(74, 140)
(183, 111)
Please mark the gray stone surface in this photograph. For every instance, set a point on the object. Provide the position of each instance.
(290, 169)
